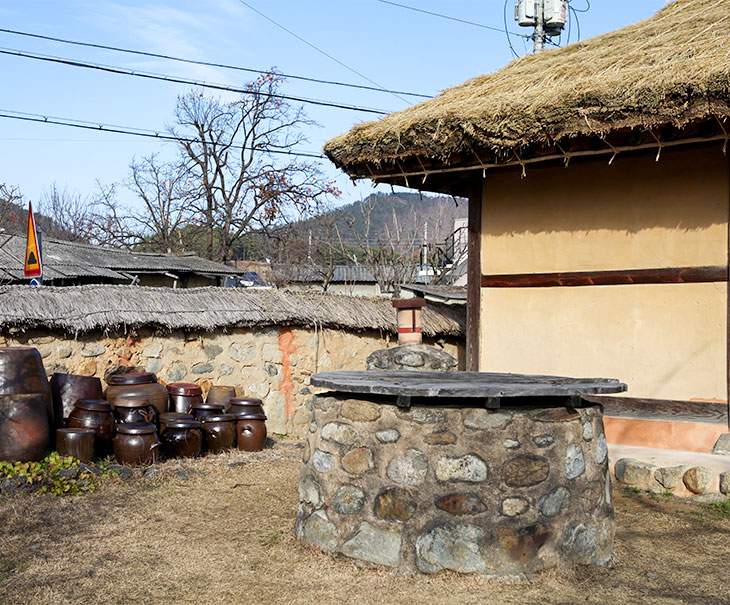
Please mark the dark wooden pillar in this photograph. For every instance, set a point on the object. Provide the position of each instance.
(474, 276)
(727, 313)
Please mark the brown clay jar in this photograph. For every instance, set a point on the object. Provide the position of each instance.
(201, 410)
(138, 384)
(251, 432)
(134, 409)
(181, 439)
(78, 443)
(67, 389)
(95, 414)
(172, 416)
(219, 433)
(183, 395)
(221, 394)
(136, 443)
(22, 372)
(24, 428)
(246, 405)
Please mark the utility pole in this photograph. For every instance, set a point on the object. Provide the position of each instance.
(539, 36)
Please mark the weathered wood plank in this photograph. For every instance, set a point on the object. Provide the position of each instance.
(473, 274)
(462, 384)
(671, 275)
(709, 412)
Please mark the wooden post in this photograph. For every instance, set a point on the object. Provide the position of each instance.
(727, 313)
(474, 276)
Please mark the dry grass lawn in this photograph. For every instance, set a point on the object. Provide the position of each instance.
(226, 537)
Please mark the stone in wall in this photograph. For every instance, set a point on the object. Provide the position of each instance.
(411, 357)
(375, 545)
(450, 546)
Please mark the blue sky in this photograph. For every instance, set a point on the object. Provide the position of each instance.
(397, 48)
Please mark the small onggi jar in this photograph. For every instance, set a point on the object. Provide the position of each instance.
(221, 394)
(183, 395)
(251, 432)
(136, 443)
(76, 442)
(246, 405)
(95, 414)
(168, 416)
(134, 409)
(181, 439)
(219, 433)
(201, 410)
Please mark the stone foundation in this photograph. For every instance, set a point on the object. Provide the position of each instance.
(474, 491)
(273, 363)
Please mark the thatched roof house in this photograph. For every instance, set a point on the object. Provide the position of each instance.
(649, 84)
(617, 266)
(74, 263)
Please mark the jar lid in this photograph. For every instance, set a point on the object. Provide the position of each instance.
(175, 416)
(132, 378)
(219, 418)
(184, 388)
(82, 431)
(246, 401)
(136, 428)
(247, 416)
(182, 423)
(93, 405)
(208, 406)
(131, 402)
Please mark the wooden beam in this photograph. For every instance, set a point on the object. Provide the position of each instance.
(474, 272)
(670, 275)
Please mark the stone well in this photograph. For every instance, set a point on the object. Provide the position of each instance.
(501, 492)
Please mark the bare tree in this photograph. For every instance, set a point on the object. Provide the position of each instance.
(67, 215)
(165, 195)
(239, 162)
(391, 253)
(10, 210)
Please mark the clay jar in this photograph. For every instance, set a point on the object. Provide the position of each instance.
(181, 439)
(246, 405)
(250, 432)
(221, 394)
(67, 389)
(183, 395)
(164, 418)
(201, 410)
(78, 443)
(219, 433)
(134, 409)
(24, 428)
(138, 384)
(136, 443)
(22, 372)
(95, 414)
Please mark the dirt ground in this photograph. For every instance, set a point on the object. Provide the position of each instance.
(227, 537)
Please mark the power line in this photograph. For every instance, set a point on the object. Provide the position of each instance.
(209, 64)
(425, 12)
(129, 130)
(319, 50)
(165, 78)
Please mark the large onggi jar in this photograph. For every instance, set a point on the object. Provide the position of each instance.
(22, 372)
(138, 384)
(24, 428)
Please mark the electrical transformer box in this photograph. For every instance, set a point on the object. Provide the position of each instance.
(525, 13)
(555, 13)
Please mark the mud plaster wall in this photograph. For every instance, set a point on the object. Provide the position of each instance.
(271, 363)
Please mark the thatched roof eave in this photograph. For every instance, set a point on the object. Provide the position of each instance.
(672, 70)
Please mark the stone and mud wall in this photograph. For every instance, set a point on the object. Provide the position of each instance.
(273, 363)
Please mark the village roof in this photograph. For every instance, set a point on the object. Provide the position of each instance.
(311, 273)
(70, 260)
(644, 82)
(78, 309)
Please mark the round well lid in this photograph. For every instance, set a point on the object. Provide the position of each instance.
(136, 428)
(132, 378)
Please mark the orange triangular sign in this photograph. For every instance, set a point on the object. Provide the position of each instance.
(33, 266)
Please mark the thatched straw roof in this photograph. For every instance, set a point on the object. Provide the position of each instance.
(670, 70)
(102, 307)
